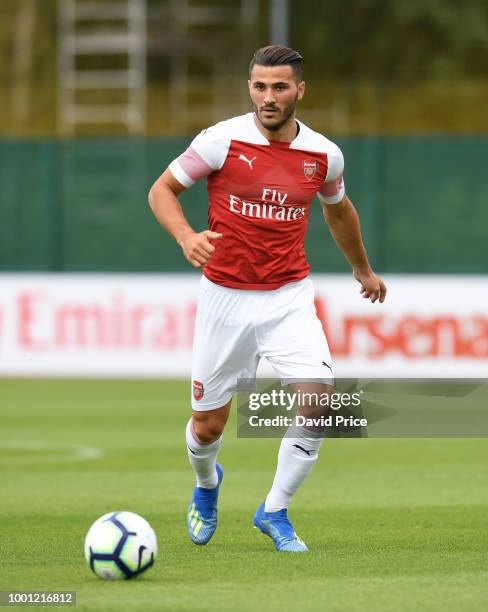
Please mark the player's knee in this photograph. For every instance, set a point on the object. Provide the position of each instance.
(207, 429)
(315, 410)
(315, 402)
(314, 418)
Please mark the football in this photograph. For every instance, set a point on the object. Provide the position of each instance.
(120, 545)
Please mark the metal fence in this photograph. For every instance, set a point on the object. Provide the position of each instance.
(81, 205)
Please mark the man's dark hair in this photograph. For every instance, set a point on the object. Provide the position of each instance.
(276, 55)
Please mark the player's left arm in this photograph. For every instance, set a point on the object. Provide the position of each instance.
(343, 222)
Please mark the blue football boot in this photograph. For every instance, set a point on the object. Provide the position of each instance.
(277, 526)
(201, 520)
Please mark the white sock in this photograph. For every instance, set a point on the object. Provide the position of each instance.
(203, 458)
(296, 457)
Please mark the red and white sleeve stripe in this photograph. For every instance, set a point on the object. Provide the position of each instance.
(206, 154)
(333, 188)
(190, 167)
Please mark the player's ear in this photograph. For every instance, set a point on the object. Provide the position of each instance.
(301, 89)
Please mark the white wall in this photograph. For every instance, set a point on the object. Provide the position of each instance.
(141, 325)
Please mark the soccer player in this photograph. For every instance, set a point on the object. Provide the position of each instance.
(263, 170)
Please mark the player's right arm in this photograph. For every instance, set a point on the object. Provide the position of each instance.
(205, 155)
(163, 200)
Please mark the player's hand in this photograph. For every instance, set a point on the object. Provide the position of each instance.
(198, 248)
(372, 286)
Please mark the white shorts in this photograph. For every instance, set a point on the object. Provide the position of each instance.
(235, 328)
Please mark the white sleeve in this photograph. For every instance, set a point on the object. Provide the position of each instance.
(205, 154)
(333, 188)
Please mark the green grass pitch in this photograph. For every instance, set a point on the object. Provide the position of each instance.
(391, 524)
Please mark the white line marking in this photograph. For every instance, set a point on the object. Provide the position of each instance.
(64, 452)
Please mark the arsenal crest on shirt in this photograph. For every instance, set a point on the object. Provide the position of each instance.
(197, 390)
(309, 168)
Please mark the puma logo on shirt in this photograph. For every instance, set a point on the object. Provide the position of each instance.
(248, 161)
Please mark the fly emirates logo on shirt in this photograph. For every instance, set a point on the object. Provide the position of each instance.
(272, 206)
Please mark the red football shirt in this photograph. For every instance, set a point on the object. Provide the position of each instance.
(259, 195)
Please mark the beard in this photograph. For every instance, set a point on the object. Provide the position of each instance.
(286, 113)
